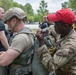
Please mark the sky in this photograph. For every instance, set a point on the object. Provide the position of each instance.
(53, 5)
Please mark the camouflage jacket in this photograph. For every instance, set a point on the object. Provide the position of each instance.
(64, 60)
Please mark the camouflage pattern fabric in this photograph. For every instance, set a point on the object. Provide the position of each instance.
(64, 59)
(51, 44)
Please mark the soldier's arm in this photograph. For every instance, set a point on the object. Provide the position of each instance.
(66, 52)
(17, 46)
(8, 56)
(46, 58)
(3, 39)
(61, 57)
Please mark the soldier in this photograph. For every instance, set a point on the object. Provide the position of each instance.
(3, 40)
(63, 61)
(21, 54)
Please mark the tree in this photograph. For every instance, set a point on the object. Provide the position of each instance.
(6, 4)
(0, 3)
(28, 9)
(42, 11)
(37, 18)
(65, 5)
(72, 4)
(15, 4)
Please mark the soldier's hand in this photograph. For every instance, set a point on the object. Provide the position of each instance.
(40, 36)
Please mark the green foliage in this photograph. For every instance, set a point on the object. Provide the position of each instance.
(72, 4)
(28, 9)
(15, 4)
(6, 4)
(0, 3)
(65, 5)
(36, 18)
(42, 11)
(31, 19)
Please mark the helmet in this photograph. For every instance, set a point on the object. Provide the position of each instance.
(15, 11)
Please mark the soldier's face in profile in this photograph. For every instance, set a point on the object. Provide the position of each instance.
(1, 12)
(59, 27)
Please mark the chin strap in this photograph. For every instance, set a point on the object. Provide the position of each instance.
(16, 24)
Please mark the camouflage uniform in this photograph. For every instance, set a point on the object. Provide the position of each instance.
(64, 60)
(54, 36)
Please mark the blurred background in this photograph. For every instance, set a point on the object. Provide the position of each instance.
(36, 9)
